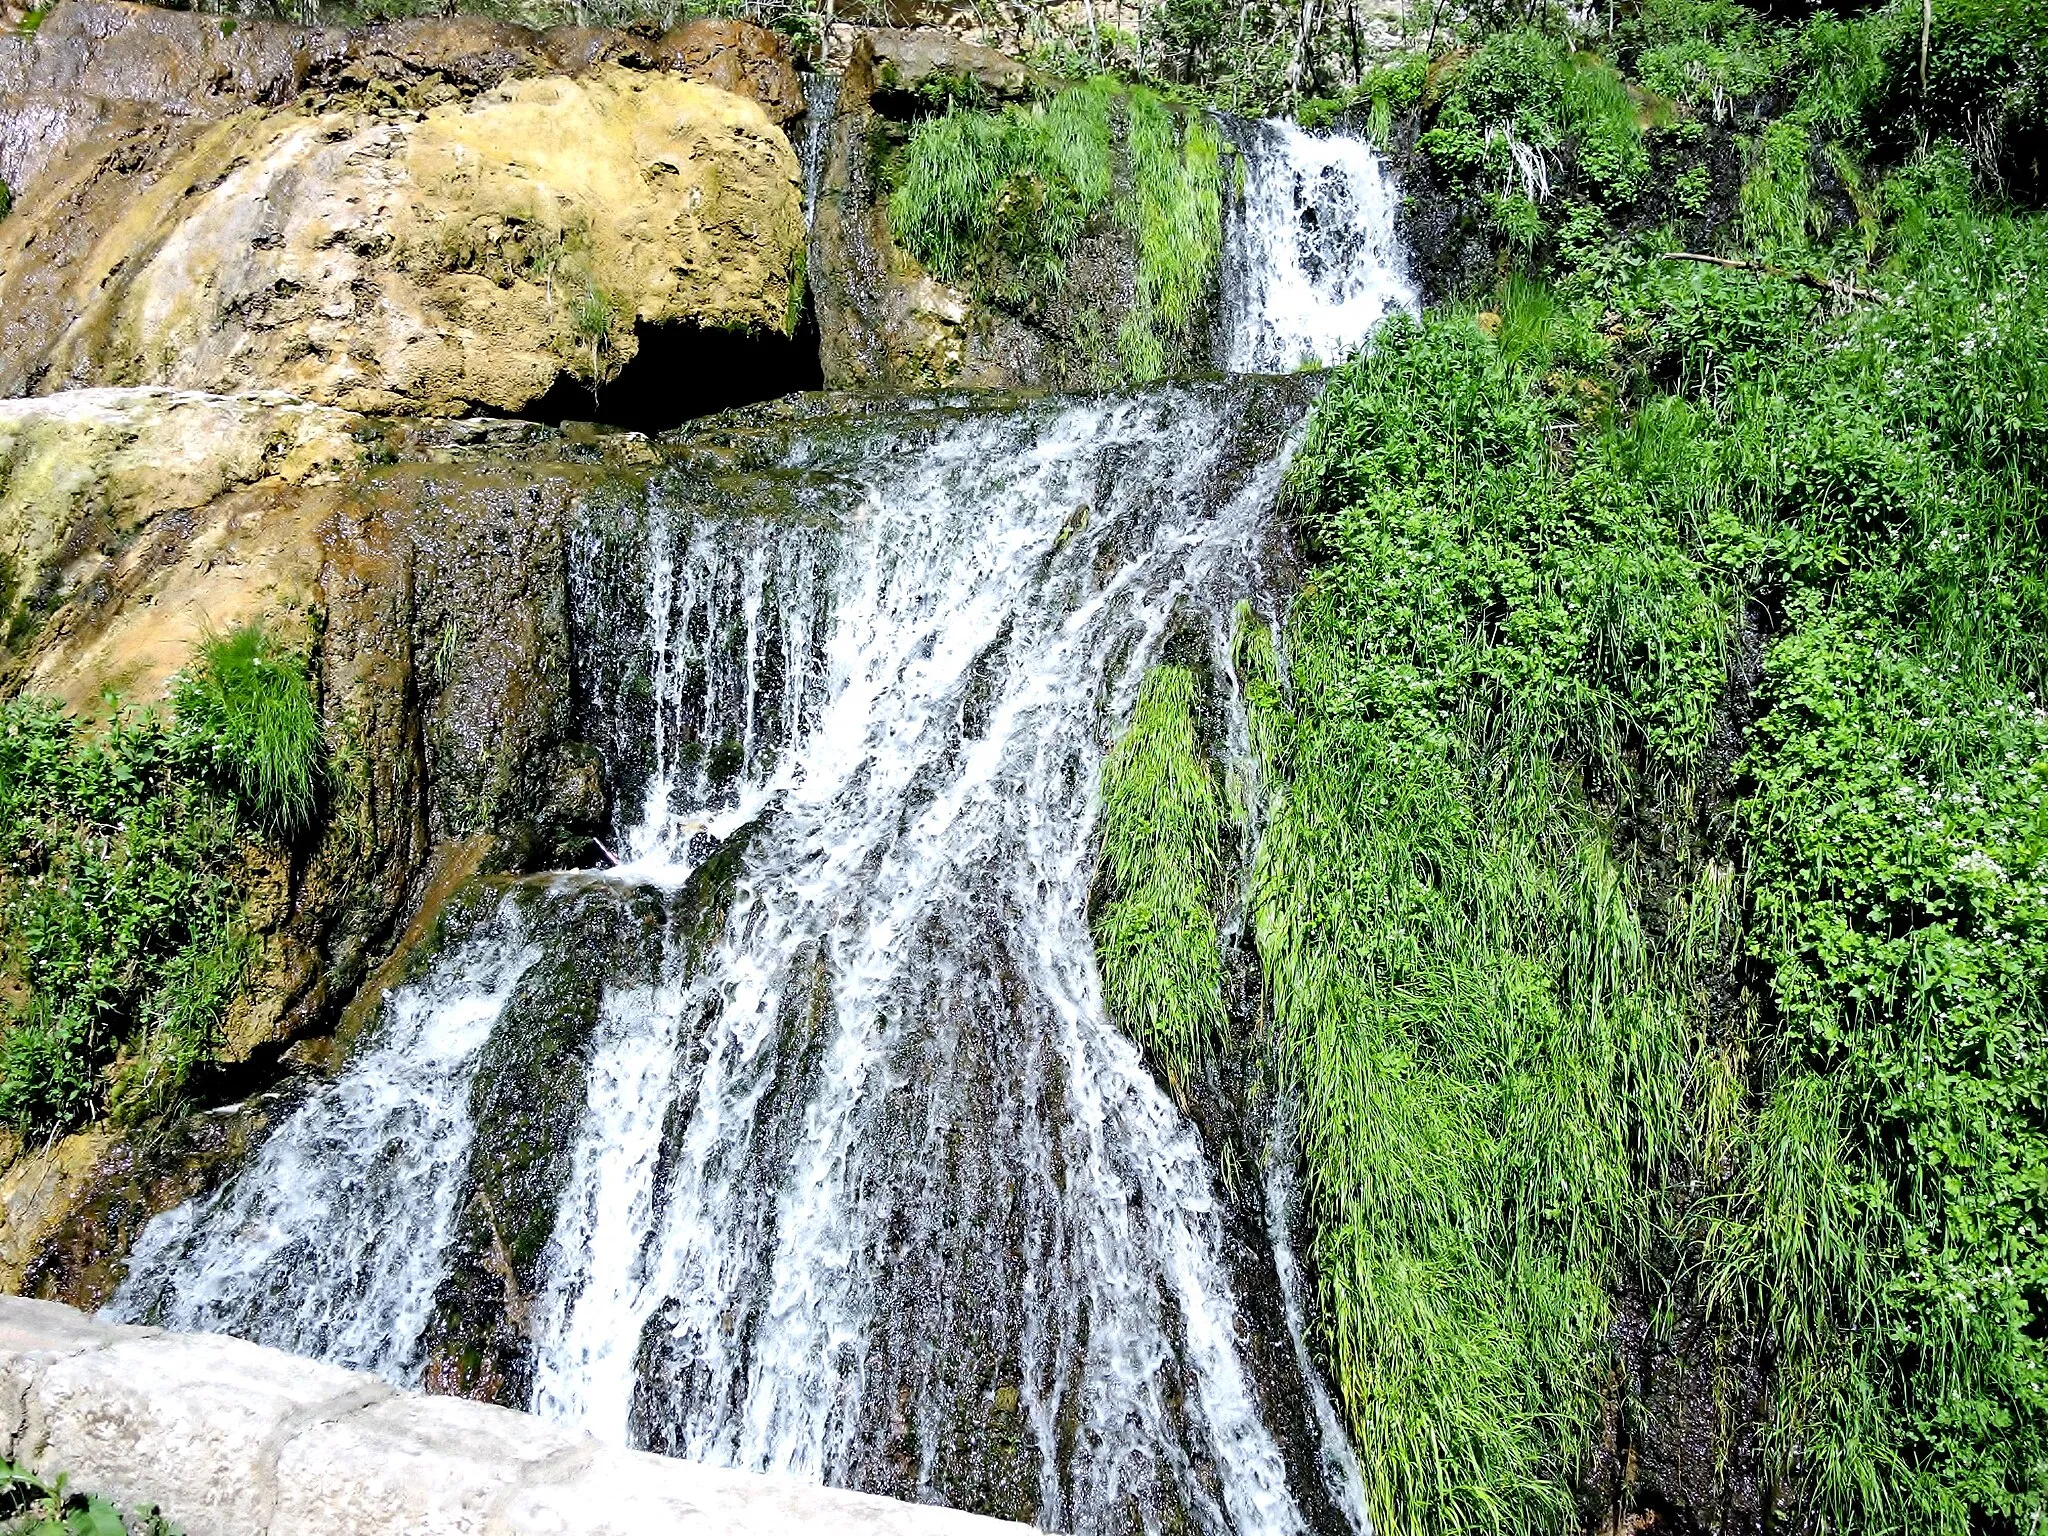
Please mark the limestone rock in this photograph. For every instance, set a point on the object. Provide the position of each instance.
(883, 321)
(188, 1422)
(458, 260)
(38, 1192)
(735, 56)
(89, 483)
(907, 58)
(231, 1439)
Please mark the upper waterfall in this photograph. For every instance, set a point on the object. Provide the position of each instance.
(1312, 253)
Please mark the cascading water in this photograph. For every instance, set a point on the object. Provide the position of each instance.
(861, 1183)
(1313, 261)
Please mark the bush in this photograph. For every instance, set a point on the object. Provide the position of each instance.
(122, 850)
(1493, 878)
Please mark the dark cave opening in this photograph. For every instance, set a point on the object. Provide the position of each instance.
(683, 371)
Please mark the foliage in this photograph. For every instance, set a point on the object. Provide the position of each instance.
(250, 702)
(31, 1506)
(1532, 538)
(1155, 926)
(997, 201)
(1512, 107)
(6, 200)
(1488, 1047)
(122, 849)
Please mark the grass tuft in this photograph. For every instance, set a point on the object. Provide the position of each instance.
(249, 707)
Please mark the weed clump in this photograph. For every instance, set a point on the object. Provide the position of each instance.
(123, 848)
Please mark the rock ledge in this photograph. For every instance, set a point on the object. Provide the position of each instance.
(232, 1439)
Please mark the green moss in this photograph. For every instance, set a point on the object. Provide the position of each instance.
(1155, 925)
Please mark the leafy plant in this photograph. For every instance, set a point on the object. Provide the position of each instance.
(122, 848)
(31, 1506)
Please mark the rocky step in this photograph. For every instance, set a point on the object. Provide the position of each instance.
(228, 1438)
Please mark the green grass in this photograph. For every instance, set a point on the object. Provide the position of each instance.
(251, 703)
(1489, 1047)
(1498, 886)
(1155, 925)
(123, 853)
(997, 201)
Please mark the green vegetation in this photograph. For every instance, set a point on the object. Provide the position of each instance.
(251, 703)
(1505, 884)
(123, 849)
(1653, 889)
(30, 1506)
(1487, 1033)
(6, 200)
(1155, 924)
(998, 201)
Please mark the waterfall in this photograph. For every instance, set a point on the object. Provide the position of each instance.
(1313, 257)
(331, 1243)
(853, 1178)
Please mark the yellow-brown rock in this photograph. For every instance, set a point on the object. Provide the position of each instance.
(143, 519)
(435, 263)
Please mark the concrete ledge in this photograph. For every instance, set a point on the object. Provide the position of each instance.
(232, 1439)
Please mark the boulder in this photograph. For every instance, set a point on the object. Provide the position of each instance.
(735, 56)
(461, 259)
(228, 1438)
(431, 216)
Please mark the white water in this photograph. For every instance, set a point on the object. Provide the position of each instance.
(868, 1163)
(900, 843)
(332, 1243)
(1314, 260)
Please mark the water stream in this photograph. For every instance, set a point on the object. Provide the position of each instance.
(861, 1183)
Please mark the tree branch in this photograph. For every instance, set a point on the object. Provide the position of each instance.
(1840, 285)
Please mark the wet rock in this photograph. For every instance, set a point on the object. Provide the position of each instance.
(883, 321)
(103, 69)
(735, 56)
(72, 1210)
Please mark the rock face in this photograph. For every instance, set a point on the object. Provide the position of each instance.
(887, 323)
(883, 321)
(461, 258)
(117, 498)
(231, 1439)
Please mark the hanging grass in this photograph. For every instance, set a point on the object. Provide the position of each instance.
(1155, 925)
(997, 201)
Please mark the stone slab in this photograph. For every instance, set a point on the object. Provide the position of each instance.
(228, 1438)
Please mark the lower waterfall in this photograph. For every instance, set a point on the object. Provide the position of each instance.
(827, 1159)
(864, 1186)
